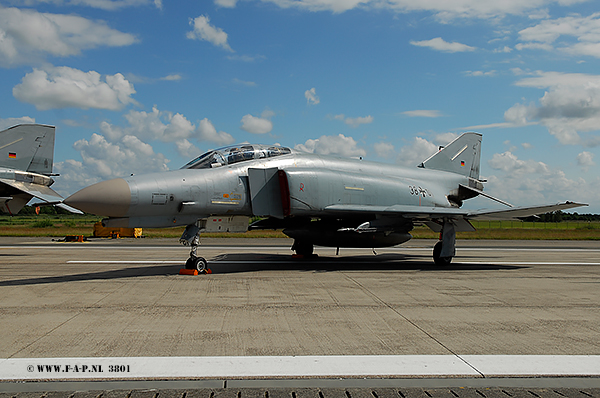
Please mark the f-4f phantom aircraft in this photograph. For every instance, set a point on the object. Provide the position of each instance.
(317, 200)
(26, 153)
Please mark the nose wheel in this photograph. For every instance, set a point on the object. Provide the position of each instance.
(198, 263)
(191, 237)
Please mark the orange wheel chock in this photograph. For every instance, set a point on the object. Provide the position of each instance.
(185, 271)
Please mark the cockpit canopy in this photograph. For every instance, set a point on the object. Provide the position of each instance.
(234, 154)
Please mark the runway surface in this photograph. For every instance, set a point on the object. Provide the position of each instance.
(125, 299)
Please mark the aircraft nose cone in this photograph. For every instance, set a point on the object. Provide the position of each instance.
(107, 198)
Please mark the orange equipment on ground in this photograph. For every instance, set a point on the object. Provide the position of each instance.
(104, 232)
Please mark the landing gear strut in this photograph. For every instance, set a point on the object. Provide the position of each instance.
(191, 237)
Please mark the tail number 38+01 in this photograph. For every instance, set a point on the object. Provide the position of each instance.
(414, 190)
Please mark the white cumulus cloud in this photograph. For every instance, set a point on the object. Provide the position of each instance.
(527, 182)
(353, 121)
(509, 163)
(332, 145)
(585, 160)
(440, 44)
(477, 73)
(203, 30)
(257, 125)
(423, 113)
(121, 151)
(226, 3)
(420, 149)
(166, 127)
(64, 87)
(208, 132)
(444, 11)
(583, 31)
(109, 5)
(13, 121)
(173, 77)
(569, 106)
(244, 82)
(28, 36)
(336, 6)
(357, 121)
(384, 149)
(416, 152)
(110, 160)
(311, 97)
(186, 149)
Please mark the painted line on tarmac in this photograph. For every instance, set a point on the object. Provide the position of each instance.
(457, 262)
(396, 249)
(524, 249)
(95, 247)
(365, 366)
(319, 261)
(125, 262)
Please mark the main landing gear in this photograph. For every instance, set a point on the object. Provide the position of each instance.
(437, 259)
(303, 249)
(445, 249)
(191, 237)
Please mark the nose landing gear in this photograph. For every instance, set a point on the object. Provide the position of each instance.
(191, 237)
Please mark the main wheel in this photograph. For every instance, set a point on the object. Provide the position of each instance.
(303, 248)
(437, 250)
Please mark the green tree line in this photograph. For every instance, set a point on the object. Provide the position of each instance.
(559, 216)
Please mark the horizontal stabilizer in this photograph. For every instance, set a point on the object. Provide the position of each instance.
(62, 206)
(42, 192)
(480, 192)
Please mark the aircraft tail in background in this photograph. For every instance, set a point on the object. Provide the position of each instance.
(26, 156)
(28, 147)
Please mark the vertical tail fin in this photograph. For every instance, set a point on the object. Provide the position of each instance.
(461, 156)
(28, 147)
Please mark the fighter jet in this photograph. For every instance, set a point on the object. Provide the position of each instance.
(26, 154)
(316, 200)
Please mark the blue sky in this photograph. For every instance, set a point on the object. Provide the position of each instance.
(139, 86)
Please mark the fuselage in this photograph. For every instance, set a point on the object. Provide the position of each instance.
(314, 183)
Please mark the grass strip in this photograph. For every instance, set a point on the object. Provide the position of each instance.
(49, 227)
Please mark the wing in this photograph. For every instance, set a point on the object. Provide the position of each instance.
(406, 211)
(517, 212)
(421, 212)
(433, 216)
(430, 216)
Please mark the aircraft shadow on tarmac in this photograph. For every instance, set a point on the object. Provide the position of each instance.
(130, 272)
(255, 262)
(247, 262)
